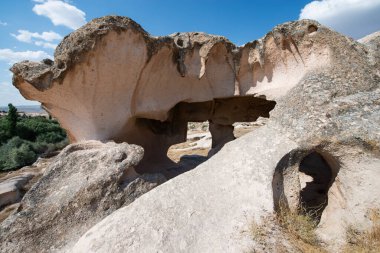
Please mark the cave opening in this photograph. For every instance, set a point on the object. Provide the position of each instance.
(316, 180)
(216, 119)
(302, 181)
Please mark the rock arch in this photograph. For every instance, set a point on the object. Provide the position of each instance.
(111, 80)
(221, 114)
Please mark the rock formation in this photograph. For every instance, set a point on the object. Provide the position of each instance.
(15, 184)
(319, 150)
(110, 80)
(11, 189)
(85, 183)
(325, 127)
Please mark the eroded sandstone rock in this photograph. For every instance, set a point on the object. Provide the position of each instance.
(111, 80)
(15, 184)
(85, 183)
(320, 147)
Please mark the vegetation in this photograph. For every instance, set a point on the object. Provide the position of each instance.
(23, 138)
(299, 231)
(365, 241)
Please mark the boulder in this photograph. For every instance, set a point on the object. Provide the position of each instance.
(86, 182)
(11, 189)
(15, 184)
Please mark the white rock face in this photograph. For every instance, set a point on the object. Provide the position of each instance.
(210, 208)
(355, 192)
(203, 210)
(325, 127)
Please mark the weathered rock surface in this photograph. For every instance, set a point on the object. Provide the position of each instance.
(319, 149)
(27, 175)
(86, 182)
(118, 73)
(15, 184)
(325, 127)
(10, 190)
(372, 42)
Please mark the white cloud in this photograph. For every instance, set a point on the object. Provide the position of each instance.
(60, 13)
(3, 23)
(11, 56)
(355, 18)
(45, 44)
(27, 36)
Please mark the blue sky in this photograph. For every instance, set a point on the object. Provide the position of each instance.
(30, 29)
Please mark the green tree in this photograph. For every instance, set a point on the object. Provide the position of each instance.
(12, 119)
(21, 156)
(32, 137)
(4, 133)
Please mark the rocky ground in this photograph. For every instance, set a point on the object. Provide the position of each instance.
(14, 184)
(198, 143)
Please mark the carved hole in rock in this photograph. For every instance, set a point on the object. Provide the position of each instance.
(319, 178)
(301, 182)
(61, 65)
(312, 28)
(220, 114)
(180, 42)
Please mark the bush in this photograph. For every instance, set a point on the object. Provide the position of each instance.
(24, 138)
(25, 132)
(21, 156)
(16, 153)
(50, 137)
(33, 127)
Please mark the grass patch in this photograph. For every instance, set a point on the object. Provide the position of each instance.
(365, 241)
(299, 228)
(259, 231)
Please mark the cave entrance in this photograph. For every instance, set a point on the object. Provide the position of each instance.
(316, 178)
(301, 182)
(221, 114)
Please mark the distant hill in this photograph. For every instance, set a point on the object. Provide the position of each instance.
(26, 109)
